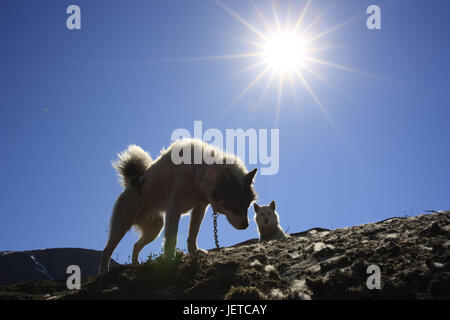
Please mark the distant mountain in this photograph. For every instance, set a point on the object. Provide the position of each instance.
(47, 264)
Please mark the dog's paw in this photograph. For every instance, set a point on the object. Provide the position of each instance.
(198, 251)
(202, 251)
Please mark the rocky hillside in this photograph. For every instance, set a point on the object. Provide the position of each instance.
(413, 254)
(46, 264)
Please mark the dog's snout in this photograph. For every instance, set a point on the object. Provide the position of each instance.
(266, 220)
(244, 225)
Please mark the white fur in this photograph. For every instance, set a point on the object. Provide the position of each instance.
(132, 153)
(267, 221)
(166, 191)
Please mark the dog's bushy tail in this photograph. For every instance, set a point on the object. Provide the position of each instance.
(131, 165)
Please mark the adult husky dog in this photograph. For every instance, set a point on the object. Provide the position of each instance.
(157, 193)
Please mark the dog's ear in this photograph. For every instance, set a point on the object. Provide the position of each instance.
(272, 205)
(250, 176)
(256, 207)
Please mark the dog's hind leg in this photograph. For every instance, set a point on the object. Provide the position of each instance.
(150, 231)
(125, 211)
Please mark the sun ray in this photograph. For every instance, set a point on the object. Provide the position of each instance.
(262, 18)
(241, 20)
(318, 76)
(269, 82)
(287, 21)
(275, 15)
(253, 43)
(332, 29)
(291, 83)
(313, 95)
(249, 68)
(324, 111)
(221, 57)
(323, 48)
(324, 81)
(316, 20)
(301, 17)
(251, 84)
(318, 103)
(279, 96)
(339, 67)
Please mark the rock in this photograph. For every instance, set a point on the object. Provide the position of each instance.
(433, 230)
(259, 248)
(255, 263)
(412, 255)
(272, 272)
(319, 246)
(301, 289)
(294, 255)
(335, 262)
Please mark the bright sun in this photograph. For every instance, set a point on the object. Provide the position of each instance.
(284, 52)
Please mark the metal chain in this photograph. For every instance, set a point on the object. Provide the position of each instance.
(216, 237)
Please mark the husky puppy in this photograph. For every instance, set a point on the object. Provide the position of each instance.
(267, 221)
(156, 194)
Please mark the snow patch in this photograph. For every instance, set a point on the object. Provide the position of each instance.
(41, 268)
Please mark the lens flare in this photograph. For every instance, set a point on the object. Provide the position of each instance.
(286, 51)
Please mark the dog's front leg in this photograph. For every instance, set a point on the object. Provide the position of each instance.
(197, 215)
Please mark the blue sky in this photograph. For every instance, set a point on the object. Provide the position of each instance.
(70, 100)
